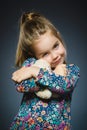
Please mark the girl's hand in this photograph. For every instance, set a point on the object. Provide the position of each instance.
(61, 70)
(25, 73)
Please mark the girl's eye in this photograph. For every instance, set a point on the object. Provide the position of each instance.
(45, 54)
(56, 45)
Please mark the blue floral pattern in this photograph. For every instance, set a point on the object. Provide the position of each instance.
(46, 114)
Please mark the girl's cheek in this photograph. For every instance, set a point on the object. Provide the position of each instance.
(63, 51)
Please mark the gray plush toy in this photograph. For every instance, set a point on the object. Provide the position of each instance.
(46, 93)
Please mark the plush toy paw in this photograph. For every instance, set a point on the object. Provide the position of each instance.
(42, 64)
(46, 93)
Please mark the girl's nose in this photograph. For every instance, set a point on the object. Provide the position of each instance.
(54, 56)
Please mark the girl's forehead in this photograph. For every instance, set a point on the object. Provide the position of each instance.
(45, 43)
(46, 37)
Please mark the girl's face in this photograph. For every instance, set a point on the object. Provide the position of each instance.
(49, 48)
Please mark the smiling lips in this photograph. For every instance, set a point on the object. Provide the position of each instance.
(56, 62)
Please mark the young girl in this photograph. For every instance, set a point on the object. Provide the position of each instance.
(39, 39)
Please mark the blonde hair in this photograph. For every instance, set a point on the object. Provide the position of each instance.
(32, 26)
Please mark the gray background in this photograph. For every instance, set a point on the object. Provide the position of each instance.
(70, 18)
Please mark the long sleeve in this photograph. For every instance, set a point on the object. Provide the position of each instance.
(58, 83)
(27, 85)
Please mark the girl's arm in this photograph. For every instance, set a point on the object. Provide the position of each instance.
(56, 83)
(25, 85)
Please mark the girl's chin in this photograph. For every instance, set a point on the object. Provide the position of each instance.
(54, 66)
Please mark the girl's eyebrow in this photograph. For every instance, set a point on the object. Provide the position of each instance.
(57, 42)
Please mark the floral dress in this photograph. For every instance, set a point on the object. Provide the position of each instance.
(46, 114)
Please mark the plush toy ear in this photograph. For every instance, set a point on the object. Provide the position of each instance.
(42, 64)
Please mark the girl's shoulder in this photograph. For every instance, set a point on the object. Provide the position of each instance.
(73, 68)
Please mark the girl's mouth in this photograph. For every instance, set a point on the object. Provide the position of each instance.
(56, 62)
